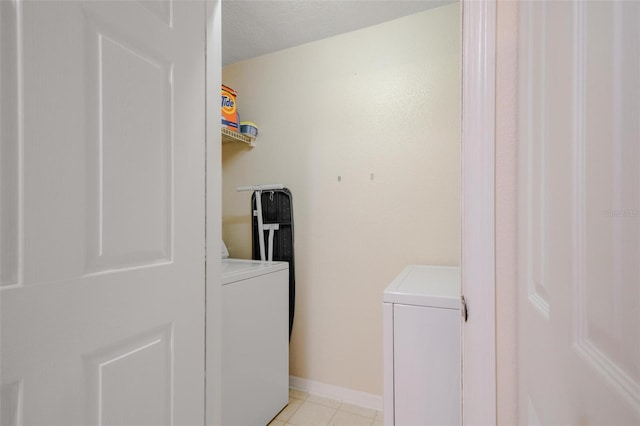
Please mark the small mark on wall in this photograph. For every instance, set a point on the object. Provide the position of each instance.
(339, 178)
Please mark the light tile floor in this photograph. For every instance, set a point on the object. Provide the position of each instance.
(312, 410)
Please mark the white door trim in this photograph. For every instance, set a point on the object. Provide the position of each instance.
(478, 211)
(213, 197)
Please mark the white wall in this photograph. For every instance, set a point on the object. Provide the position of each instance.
(379, 108)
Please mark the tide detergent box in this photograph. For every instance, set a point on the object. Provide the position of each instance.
(229, 108)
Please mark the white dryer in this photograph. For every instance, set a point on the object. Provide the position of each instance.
(255, 341)
(422, 359)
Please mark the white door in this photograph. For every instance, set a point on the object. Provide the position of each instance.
(102, 214)
(579, 213)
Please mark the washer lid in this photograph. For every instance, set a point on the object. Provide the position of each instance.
(435, 286)
(234, 270)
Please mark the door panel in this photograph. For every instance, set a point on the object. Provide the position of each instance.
(130, 194)
(579, 213)
(102, 297)
(143, 366)
(11, 146)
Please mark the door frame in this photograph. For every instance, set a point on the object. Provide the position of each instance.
(478, 211)
(213, 217)
(477, 201)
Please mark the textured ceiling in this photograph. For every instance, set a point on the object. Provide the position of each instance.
(253, 28)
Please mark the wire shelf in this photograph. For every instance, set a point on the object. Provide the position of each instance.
(229, 136)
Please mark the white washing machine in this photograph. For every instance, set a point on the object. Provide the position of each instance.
(255, 341)
(422, 358)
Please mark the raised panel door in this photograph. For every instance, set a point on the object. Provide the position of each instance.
(102, 291)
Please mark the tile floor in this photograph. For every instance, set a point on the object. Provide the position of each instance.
(312, 410)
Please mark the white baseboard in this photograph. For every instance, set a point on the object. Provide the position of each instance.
(350, 396)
